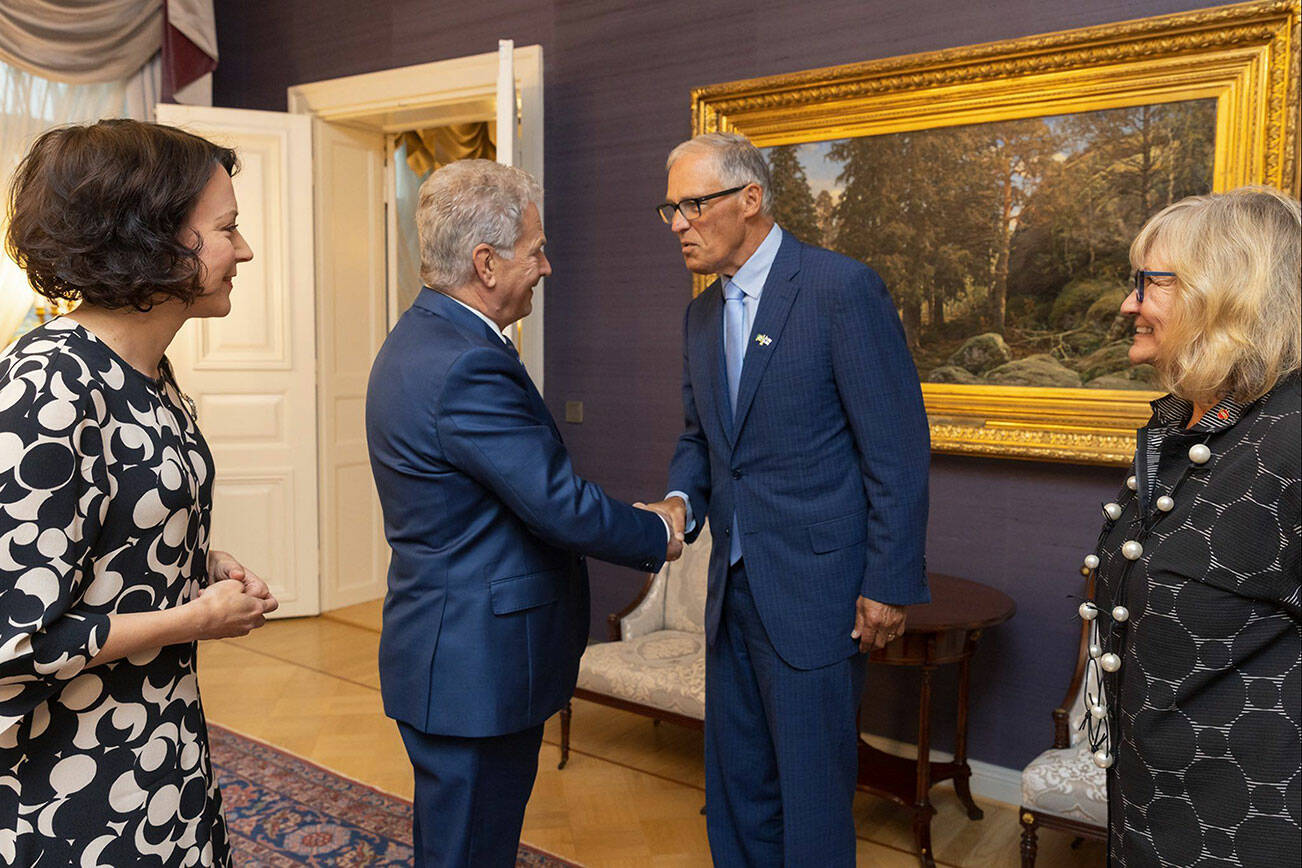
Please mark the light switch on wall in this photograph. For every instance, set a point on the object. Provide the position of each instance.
(574, 411)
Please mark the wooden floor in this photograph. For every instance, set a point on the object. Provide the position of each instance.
(631, 795)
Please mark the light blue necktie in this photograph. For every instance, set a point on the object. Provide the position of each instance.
(734, 351)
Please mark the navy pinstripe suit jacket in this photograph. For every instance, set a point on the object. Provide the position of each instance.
(487, 610)
(825, 459)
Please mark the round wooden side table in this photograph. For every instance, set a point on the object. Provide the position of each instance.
(943, 631)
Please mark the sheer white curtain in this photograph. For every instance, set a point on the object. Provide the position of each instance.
(407, 189)
(29, 105)
(417, 153)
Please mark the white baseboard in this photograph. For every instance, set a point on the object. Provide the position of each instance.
(989, 781)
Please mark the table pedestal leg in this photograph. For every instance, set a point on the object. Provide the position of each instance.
(908, 782)
(922, 808)
(962, 773)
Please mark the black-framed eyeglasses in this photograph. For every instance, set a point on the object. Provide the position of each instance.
(691, 208)
(1139, 280)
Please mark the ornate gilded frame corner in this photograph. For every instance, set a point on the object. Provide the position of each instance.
(1244, 56)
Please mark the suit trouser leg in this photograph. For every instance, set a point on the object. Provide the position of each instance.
(470, 796)
(743, 802)
(781, 747)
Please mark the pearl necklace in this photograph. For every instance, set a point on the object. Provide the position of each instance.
(1106, 663)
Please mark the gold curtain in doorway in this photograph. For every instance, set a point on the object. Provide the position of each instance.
(429, 149)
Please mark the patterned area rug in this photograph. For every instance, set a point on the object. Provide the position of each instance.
(283, 810)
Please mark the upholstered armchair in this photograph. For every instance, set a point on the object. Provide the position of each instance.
(1062, 788)
(654, 663)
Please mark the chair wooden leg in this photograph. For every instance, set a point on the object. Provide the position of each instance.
(566, 713)
(1028, 839)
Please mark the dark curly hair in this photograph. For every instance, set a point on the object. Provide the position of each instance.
(96, 212)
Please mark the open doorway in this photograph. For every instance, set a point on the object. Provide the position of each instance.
(458, 95)
(417, 153)
(285, 375)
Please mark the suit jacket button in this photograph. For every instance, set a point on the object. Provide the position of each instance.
(736, 474)
(727, 531)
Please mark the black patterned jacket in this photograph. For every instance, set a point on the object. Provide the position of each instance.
(1206, 708)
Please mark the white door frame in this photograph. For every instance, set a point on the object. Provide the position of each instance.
(384, 103)
(348, 169)
(460, 90)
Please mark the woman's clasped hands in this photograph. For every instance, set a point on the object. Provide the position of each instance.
(235, 602)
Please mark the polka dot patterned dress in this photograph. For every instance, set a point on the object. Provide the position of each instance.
(1204, 699)
(105, 496)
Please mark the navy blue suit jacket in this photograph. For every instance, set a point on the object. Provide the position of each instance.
(487, 608)
(825, 459)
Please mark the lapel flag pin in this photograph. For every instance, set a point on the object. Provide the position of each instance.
(763, 340)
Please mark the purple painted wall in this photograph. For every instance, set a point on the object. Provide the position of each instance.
(618, 79)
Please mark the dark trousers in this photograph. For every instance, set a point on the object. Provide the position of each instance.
(781, 755)
(470, 796)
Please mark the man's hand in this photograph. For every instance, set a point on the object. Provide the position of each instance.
(876, 623)
(222, 566)
(674, 511)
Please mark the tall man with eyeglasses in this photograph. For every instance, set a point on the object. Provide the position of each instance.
(806, 446)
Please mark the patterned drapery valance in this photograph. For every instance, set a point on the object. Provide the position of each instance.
(89, 41)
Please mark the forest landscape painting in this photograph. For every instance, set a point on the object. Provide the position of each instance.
(1005, 245)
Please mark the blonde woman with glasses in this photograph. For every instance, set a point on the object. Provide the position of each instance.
(1194, 694)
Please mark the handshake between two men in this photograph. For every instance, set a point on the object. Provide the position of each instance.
(674, 513)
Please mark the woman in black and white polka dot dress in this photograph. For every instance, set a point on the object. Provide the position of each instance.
(106, 577)
(1198, 645)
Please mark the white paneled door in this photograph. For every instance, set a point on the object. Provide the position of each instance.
(351, 250)
(252, 373)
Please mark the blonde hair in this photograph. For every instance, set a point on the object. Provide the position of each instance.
(1235, 324)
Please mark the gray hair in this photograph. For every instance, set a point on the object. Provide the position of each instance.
(736, 159)
(464, 204)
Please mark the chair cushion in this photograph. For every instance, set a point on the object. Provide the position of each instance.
(664, 669)
(1066, 783)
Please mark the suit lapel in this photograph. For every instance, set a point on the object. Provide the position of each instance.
(539, 403)
(775, 303)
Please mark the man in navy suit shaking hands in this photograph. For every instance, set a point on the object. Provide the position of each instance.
(487, 609)
(806, 445)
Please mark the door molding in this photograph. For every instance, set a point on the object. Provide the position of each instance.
(458, 90)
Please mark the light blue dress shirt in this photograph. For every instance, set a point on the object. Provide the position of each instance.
(750, 279)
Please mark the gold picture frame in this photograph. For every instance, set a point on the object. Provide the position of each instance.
(1243, 56)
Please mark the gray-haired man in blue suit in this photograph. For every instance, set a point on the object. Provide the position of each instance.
(806, 445)
(487, 610)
